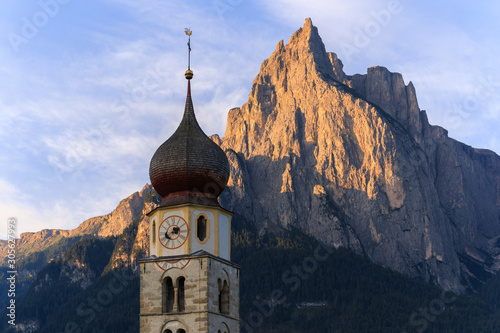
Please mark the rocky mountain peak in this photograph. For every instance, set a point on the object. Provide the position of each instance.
(280, 85)
(353, 161)
(388, 91)
(307, 44)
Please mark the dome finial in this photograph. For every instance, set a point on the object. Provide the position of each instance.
(189, 72)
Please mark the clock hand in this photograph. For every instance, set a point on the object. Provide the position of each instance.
(166, 235)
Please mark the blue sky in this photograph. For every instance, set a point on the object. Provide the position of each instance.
(91, 88)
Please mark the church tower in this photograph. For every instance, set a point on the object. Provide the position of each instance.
(188, 284)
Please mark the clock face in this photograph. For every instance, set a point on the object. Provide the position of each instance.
(166, 264)
(173, 232)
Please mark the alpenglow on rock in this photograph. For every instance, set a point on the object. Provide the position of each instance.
(354, 162)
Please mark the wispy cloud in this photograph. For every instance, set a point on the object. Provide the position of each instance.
(83, 127)
(87, 101)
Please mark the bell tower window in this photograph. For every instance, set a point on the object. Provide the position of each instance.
(223, 297)
(167, 295)
(201, 228)
(180, 294)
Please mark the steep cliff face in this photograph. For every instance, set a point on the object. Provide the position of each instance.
(353, 161)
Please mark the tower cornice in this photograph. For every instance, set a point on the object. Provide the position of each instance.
(188, 204)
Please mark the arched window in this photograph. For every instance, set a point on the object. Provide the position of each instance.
(173, 326)
(180, 294)
(167, 295)
(201, 228)
(223, 328)
(223, 297)
(153, 233)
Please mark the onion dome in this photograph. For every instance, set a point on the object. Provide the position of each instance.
(189, 167)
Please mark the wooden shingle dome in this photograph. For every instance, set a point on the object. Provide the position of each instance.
(189, 167)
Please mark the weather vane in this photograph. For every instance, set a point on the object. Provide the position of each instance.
(189, 72)
(189, 33)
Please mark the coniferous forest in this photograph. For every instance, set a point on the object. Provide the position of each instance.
(289, 283)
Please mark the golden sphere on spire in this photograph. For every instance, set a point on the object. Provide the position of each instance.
(189, 74)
